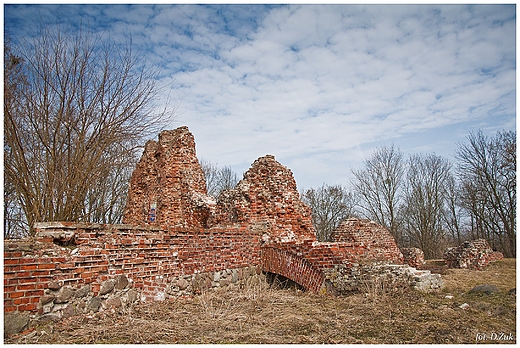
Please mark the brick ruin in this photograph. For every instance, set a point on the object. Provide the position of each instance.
(471, 254)
(370, 234)
(176, 240)
(413, 256)
(168, 187)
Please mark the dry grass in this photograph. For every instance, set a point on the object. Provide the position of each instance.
(256, 313)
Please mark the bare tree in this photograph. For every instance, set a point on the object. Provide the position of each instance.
(73, 122)
(425, 203)
(454, 215)
(379, 185)
(105, 203)
(15, 222)
(228, 179)
(218, 179)
(210, 173)
(487, 169)
(330, 205)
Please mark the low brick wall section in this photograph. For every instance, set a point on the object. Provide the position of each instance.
(79, 268)
(76, 255)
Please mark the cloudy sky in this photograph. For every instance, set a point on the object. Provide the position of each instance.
(320, 87)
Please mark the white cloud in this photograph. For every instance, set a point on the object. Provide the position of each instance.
(318, 86)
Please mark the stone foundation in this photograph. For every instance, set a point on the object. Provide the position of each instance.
(382, 277)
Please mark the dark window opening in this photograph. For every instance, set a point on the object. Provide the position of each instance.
(278, 281)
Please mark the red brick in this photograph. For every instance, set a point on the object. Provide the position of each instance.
(11, 261)
(16, 294)
(23, 274)
(10, 281)
(28, 307)
(34, 293)
(12, 254)
(86, 275)
(58, 259)
(40, 273)
(12, 268)
(26, 287)
(66, 265)
(21, 300)
(9, 308)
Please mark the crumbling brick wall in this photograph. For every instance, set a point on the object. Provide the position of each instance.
(471, 254)
(267, 197)
(71, 256)
(413, 256)
(370, 234)
(176, 239)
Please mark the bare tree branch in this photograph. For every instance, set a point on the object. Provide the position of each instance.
(73, 124)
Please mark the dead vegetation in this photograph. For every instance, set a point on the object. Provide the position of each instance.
(255, 313)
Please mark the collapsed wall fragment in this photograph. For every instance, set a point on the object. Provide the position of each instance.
(372, 235)
(413, 256)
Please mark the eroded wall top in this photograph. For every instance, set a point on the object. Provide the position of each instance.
(267, 198)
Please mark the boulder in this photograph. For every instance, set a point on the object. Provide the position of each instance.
(69, 311)
(132, 296)
(182, 284)
(64, 295)
(46, 299)
(114, 302)
(487, 289)
(94, 303)
(106, 287)
(54, 286)
(82, 292)
(121, 282)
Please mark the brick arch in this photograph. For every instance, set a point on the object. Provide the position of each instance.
(291, 266)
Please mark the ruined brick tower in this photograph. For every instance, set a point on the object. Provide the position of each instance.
(168, 185)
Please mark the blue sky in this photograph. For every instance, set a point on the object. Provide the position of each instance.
(318, 86)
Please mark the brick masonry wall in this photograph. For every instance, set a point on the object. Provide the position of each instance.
(92, 254)
(370, 234)
(158, 263)
(168, 187)
(267, 197)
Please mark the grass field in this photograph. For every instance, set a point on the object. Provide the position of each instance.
(256, 313)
